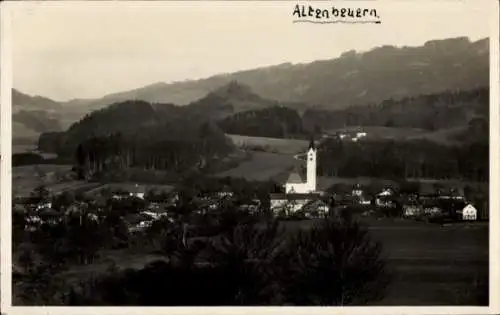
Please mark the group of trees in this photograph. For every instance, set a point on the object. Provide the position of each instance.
(430, 112)
(274, 122)
(417, 159)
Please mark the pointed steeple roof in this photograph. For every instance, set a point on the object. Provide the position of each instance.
(294, 178)
(312, 145)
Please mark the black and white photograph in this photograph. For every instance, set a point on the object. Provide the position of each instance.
(250, 153)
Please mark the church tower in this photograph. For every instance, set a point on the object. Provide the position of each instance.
(311, 166)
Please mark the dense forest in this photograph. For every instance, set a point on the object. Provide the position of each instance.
(417, 159)
(139, 134)
(431, 112)
(273, 122)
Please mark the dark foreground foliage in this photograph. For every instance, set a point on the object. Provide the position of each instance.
(251, 263)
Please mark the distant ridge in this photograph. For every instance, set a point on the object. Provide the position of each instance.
(354, 78)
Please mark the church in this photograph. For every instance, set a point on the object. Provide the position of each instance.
(300, 195)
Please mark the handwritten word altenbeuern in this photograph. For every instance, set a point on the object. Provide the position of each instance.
(341, 15)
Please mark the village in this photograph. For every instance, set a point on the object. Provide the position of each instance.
(142, 206)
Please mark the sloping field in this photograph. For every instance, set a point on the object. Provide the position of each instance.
(131, 187)
(262, 166)
(285, 146)
(443, 136)
(381, 132)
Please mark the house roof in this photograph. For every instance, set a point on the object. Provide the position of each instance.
(312, 205)
(429, 188)
(282, 196)
(294, 178)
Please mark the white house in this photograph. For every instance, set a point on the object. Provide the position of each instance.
(469, 213)
(138, 192)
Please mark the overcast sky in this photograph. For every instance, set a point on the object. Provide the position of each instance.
(66, 51)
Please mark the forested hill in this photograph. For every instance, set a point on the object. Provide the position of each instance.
(464, 111)
(354, 78)
(431, 112)
(140, 119)
(137, 133)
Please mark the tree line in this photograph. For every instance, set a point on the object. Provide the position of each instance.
(430, 112)
(409, 159)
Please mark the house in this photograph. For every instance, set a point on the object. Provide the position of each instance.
(118, 195)
(50, 216)
(432, 190)
(469, 213)
(43, 204)
(357, 190)
(412, 210)
(315, 208)
(138, 191)
(385, 198)
(358, 196)
(225, 192)
(290, 203)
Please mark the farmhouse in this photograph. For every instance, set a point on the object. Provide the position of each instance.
(298, 193)
(469, 213)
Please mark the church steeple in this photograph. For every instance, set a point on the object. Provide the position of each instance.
(312, 145)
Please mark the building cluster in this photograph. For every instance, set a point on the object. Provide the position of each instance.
(303, 197)
(300, 198)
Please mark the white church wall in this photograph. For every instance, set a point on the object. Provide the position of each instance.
(311, 170)
(301, 188)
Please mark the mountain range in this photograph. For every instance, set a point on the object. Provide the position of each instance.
(353, 79)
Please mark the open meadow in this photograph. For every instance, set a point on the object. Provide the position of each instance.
(277, 145)
(263, 166)
(442, 136)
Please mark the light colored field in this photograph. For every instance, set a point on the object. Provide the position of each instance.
(23, 148)
(443, 136)
(26, 178)
(262, 166)
(130, 186)
(382, 132)
(285, 146)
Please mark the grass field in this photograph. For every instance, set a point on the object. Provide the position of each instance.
(263, 166)
(285, 146)
(381, 132)
(23, 148)
(130, 186)
(443, 136)
(430, 264)
(27, 178)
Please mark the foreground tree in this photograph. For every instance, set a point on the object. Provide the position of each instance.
(333, 263)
